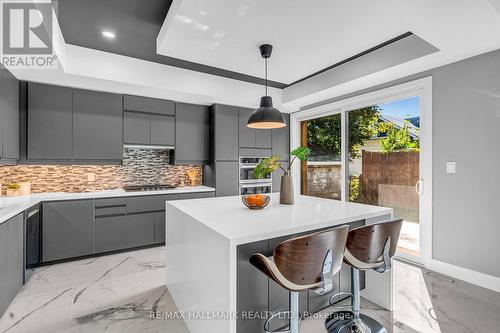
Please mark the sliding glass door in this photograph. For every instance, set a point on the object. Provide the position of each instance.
(369, 155)
(384, 164)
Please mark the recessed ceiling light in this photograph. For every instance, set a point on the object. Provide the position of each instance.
(108, 34)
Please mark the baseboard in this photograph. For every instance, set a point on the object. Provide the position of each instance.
(464, 274)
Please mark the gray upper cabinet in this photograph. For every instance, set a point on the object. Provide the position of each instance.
(9, 116)
(246, 135)
(136, 128)
(263, 139)
(67, 229)
(192, 134)
(162, 130)
(148, 129)
(97, 125)
(226, 132)
(50, 122)
(281, 140)
(249, 137)
(148, 105)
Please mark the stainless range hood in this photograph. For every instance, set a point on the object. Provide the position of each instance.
(135, 146)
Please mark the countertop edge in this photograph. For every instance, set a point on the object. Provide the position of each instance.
(22, 203)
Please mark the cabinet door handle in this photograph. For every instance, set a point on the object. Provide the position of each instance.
(33, 212)
(419, 187)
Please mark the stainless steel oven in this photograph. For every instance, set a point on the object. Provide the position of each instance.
(248, 183)
(255, 188)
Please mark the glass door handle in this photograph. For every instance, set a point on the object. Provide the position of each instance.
(419, 187)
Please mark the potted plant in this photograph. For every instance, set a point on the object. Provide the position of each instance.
(271, 164)
(13, 189)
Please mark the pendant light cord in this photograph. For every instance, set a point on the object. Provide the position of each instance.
(266, 76)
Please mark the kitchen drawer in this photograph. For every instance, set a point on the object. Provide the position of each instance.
(201, 195)
(111, 202)
(109, 234)
(103, 211)
(150, 203)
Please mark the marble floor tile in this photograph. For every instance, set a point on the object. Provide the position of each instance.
(118, 294)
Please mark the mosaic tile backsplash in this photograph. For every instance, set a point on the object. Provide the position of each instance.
(140, 167)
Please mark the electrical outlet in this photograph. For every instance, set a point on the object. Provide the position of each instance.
(451, 167)
(91, 177)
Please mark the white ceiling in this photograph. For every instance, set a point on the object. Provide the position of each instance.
(311, 35)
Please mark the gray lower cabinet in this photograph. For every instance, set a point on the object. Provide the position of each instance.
(11, 260)
(4, 267)
(146, 219)
(149, 203)
(160, 227)
(67, 229)
(252, 287)
(9, 116)
(162, 130)
(192, 134)
(227, 178)
(97, 125)
(109, 233)
(140, 229)
(50, 122)
(136, 128)
(225, 120)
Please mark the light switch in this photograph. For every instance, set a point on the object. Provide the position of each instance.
(91, 177)
(451, 167)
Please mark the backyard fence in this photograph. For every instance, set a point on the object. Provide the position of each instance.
(388, 179)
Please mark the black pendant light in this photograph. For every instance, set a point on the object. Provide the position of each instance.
(266, 116)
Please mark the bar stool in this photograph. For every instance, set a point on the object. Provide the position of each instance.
(368, 247)
(303, 263)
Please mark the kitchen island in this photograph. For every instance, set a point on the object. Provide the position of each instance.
(209, 242)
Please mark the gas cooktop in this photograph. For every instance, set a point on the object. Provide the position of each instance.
(149, 187)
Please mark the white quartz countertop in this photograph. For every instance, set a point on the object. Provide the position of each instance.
(11, 206)
(231, 219)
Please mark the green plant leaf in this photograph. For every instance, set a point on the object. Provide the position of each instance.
(301, 153)
(267, 166)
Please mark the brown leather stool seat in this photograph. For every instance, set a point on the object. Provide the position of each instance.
(368, 247)
(304, 263)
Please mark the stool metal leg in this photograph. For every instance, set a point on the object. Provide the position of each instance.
(294, 309)
(292, 315)
(353, 322)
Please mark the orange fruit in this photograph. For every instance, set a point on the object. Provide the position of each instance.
(252, 200)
